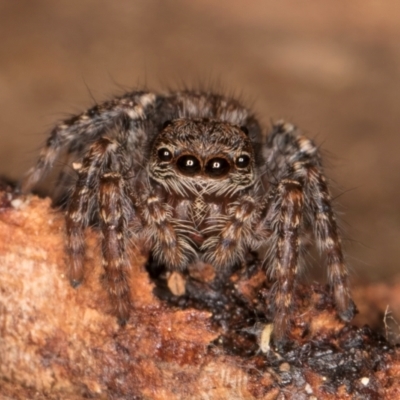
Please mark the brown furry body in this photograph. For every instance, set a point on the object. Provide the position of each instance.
(192, 174)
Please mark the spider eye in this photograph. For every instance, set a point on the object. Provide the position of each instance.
(188, 165)
(217, 167)
(164, 154)
(242, 161)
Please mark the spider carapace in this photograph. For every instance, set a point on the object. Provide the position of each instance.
(192, 174)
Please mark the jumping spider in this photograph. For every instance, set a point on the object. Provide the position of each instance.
(192, 174)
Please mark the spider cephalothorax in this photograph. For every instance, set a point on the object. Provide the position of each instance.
(202, 157)
(191, 173)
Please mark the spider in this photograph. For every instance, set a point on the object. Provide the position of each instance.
(193, 175)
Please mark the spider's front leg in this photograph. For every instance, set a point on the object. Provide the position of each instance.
(100, 190)
(283, 218)
(115, 214)
(81, 205)
(251, 222)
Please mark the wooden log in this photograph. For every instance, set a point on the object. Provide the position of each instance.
(62, 343)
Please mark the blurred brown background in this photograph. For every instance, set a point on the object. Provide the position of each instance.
(333, 68)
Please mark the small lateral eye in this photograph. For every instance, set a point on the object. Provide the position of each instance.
(243, 161)
(164, 154)
(217, 167)
(188, 165)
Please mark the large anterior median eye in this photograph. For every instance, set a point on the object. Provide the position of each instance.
(188, 165)
(217, 167)
(164, 154)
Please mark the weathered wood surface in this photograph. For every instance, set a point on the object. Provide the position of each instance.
(57, 342)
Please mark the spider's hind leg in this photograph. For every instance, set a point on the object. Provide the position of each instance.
(292, 155)
(323, 221)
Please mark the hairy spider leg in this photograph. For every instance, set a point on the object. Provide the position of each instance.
(287, 209)
(327, 237)
(100, 190)
(87, 127)
(114, 217)
(294, 156)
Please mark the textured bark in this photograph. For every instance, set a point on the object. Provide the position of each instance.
(62, 343)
